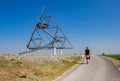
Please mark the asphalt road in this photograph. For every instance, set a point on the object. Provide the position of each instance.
(98, 69)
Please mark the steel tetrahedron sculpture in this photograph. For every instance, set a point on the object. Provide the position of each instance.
(47, 34)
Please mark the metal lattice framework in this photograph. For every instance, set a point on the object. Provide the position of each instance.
(47, 35)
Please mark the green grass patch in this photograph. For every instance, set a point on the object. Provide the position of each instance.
(112, 56)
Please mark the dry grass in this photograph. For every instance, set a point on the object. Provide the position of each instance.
(34, 67)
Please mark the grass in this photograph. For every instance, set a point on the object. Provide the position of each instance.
(23, 69)
(112, 56)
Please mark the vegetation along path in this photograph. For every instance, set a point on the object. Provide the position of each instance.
(33, 67)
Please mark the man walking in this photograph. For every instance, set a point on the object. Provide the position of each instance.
(87, 54)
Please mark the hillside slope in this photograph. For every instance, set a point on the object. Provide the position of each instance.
(34, 67)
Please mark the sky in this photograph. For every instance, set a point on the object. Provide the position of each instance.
(86, 23)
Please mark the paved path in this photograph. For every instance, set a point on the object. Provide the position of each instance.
(98, 69)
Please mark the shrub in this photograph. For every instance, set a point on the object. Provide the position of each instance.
(21, 75)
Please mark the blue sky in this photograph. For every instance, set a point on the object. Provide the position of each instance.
(92, 23)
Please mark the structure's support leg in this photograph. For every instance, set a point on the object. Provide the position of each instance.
(60, 51)
(54, 50)
(38, 52)
(26, 51)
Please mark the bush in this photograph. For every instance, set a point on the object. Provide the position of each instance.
(21, 75)
(103, 53)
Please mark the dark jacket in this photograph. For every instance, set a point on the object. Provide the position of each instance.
(87, 52)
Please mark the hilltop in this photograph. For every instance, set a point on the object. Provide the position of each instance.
(15, 67)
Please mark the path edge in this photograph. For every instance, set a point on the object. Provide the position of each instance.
(70, 69)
